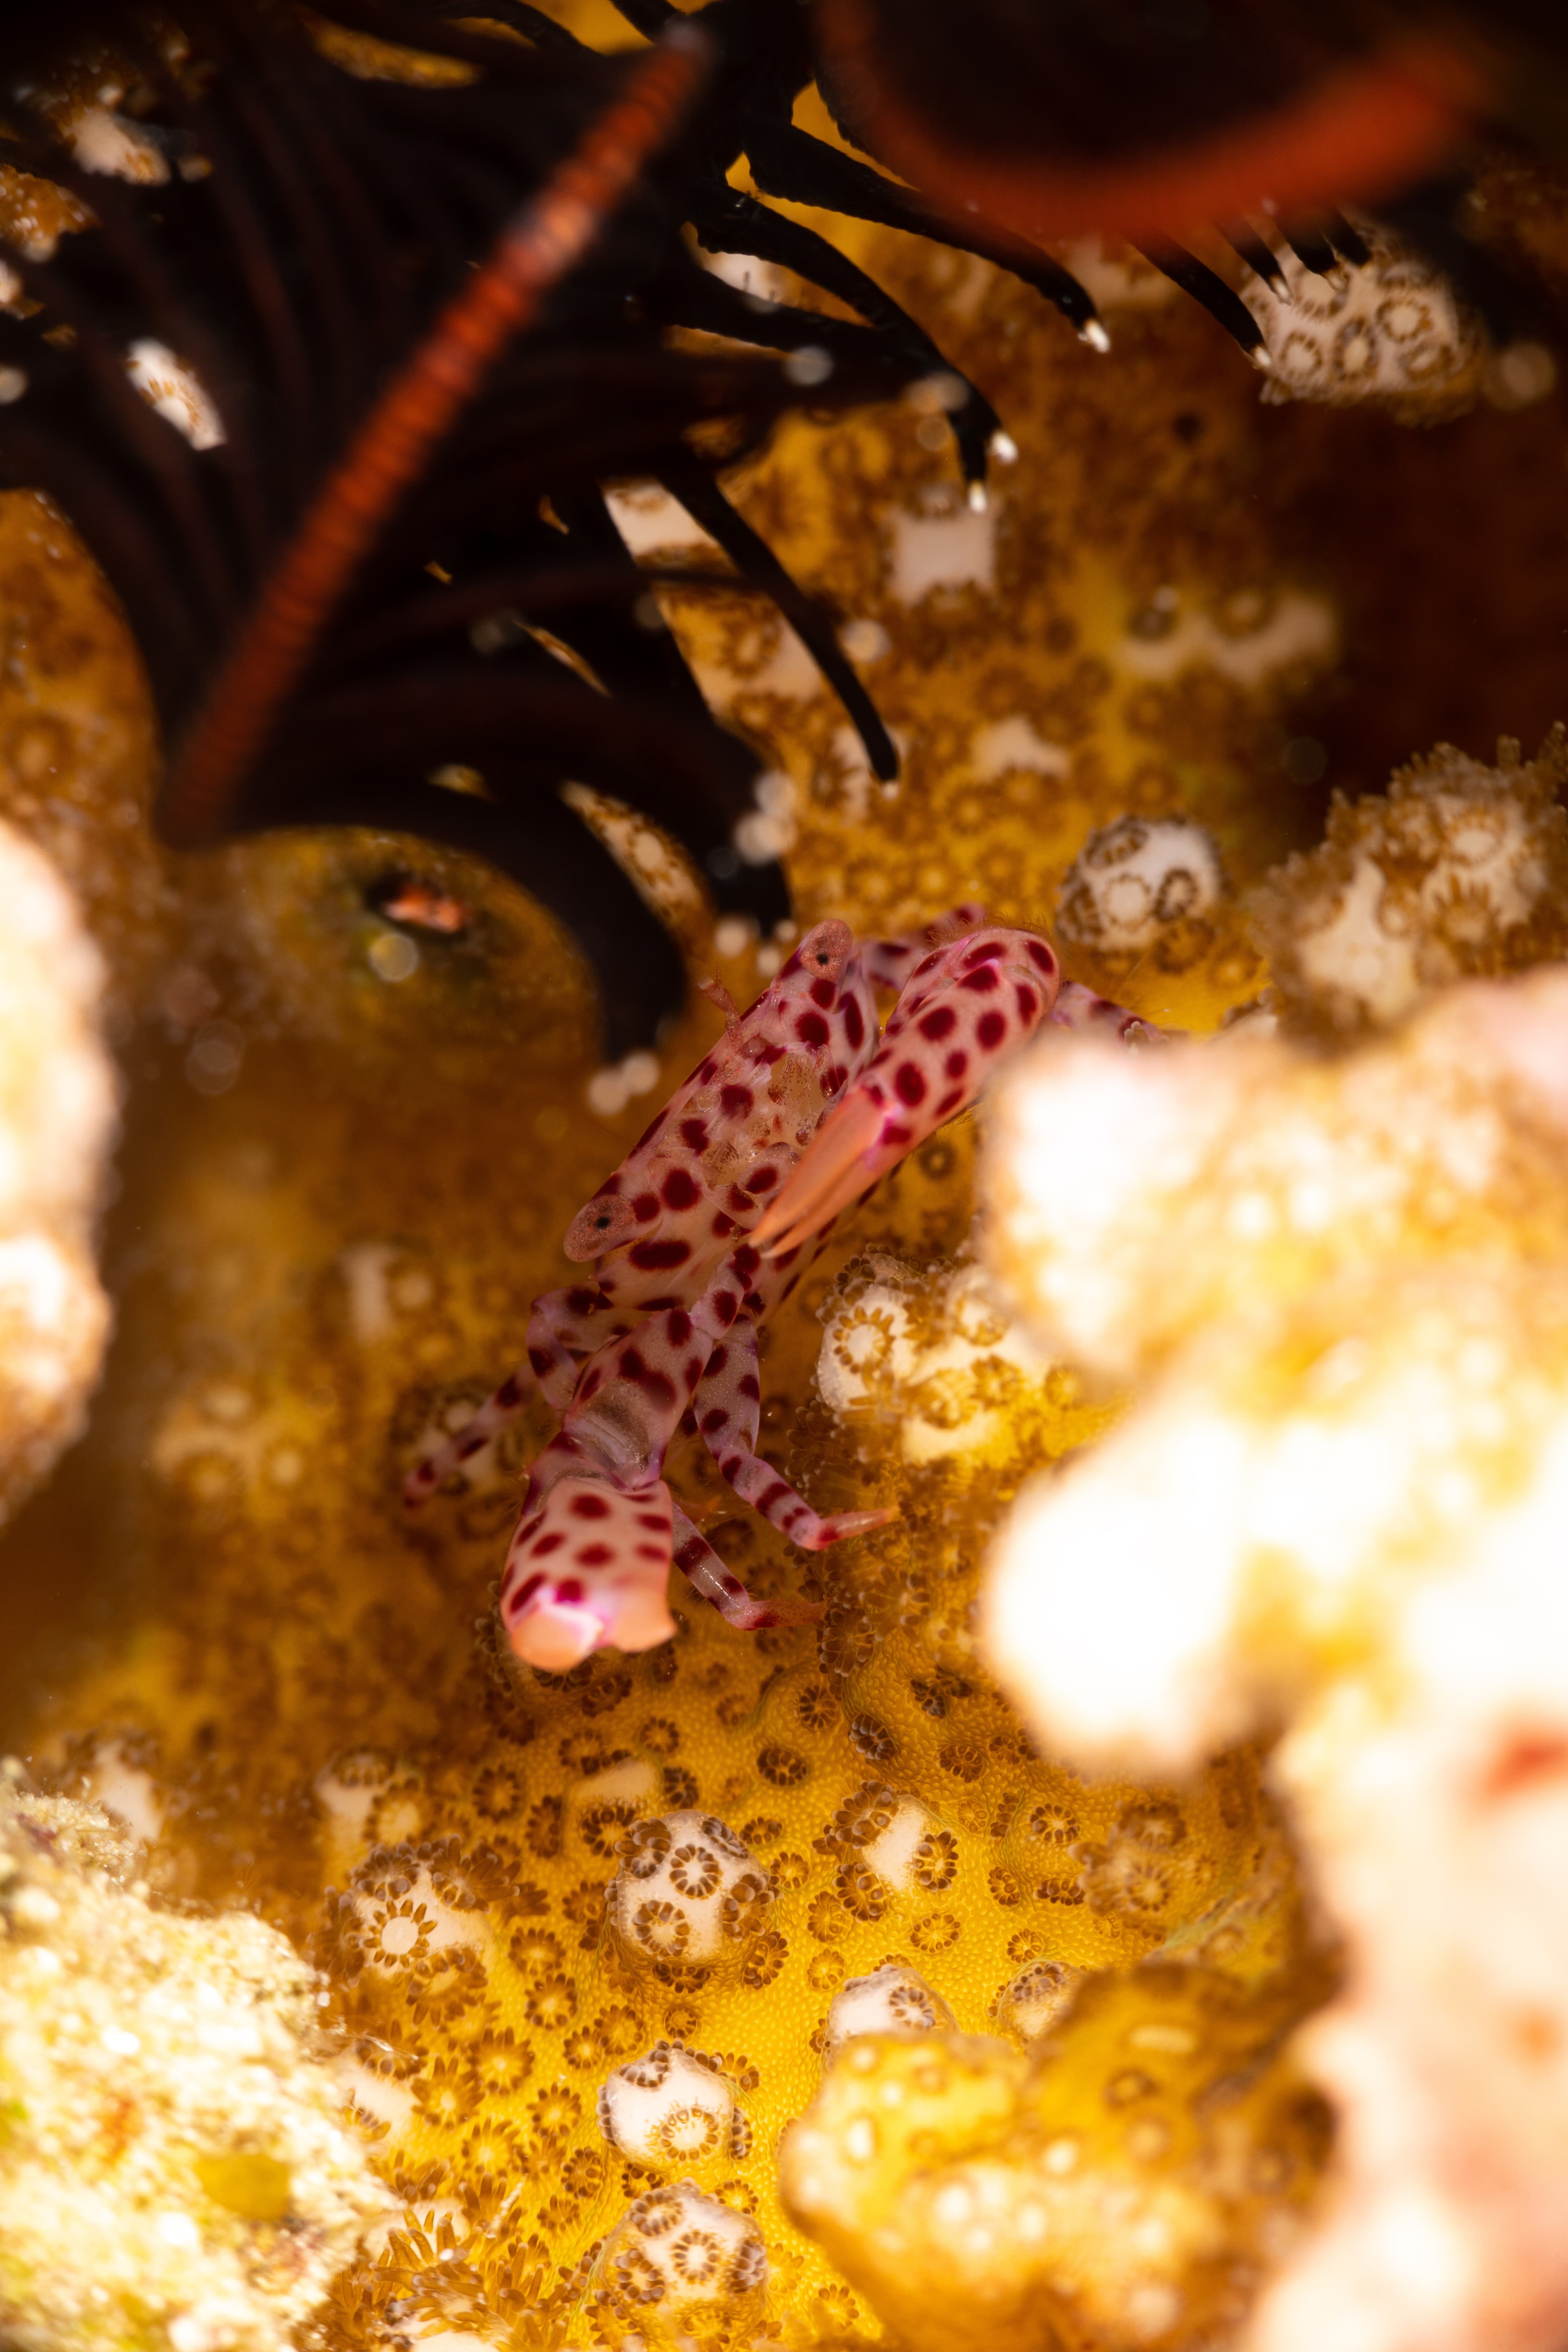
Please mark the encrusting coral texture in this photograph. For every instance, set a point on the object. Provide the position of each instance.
(598, 1944)
(174, 2166)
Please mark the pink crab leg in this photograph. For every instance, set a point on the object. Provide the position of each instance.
(1078, 1007)
(495, 1414)
(562, 1320)
(965, 1007)
(890, 962)
(728, 1405)
(701, 1565)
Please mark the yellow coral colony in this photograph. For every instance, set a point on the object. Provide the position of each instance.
(781, 1989)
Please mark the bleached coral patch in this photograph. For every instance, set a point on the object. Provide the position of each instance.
(670, 2109)
(893, 1999)
(680, 2266)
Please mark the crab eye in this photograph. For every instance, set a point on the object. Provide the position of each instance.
(601, 1223)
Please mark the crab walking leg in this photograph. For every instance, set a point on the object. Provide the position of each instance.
(965, 1007)
(728, 1411)
(706, 1572)
(889, 963)
(562, 1321)
(495, 1414)
(1078, 1007)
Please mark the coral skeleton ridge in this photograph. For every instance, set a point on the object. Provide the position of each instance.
(175, 2167)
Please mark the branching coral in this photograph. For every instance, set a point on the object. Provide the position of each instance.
(1340, 1507)
(173, 2157)
(58, 1103)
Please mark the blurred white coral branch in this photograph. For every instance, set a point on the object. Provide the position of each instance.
(1340, 1507)
(58, 1101)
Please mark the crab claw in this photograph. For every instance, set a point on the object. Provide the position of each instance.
(588, 1570)
(696, 1559)
(849, 1151)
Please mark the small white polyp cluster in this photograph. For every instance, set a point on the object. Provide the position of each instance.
(1388, 331)
(902, 1343)
(894, 1998)
(1134, 882)
(669, 2109)
(682, 2265)
(687, 1891)
(1459, 868)
(57, 1118)
(1041, 1993)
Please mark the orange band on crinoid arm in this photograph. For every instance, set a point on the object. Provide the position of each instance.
(535, 250)
(1367, 129)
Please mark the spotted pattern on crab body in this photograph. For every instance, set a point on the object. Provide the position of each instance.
(698, 1236)
(965, 1005)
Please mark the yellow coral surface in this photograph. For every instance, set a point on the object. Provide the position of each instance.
(594, 1941)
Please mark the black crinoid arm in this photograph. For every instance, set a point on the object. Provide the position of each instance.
(305, 237)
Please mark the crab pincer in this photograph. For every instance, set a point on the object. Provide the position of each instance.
(963, 1007)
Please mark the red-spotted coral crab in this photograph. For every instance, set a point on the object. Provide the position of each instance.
(707, 1227)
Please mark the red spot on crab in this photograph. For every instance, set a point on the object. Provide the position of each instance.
(811, 1029)
(735, 1101)
(937, 1023)
(653, 1257)
(854, 1024)
(908, 1084)
(590, 1507)
(982, 980)
(990, 1031)
(597, 1555)
(822, 993)
(681, 1190)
